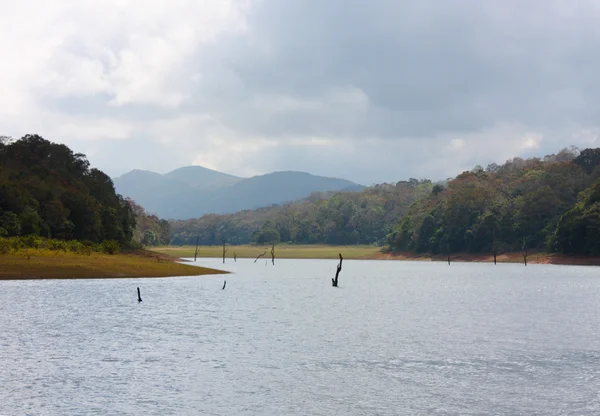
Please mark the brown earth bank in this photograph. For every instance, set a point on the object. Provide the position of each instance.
(513, 257)
(46, 264)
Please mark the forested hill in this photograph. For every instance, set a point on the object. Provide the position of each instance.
(552, 203)
(334, 218)
(47, 190)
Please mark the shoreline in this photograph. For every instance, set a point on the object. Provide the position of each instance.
(365, 252)
(511, 257)
(32, 264)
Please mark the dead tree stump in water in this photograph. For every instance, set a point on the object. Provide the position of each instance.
(525, 252)
(139, 297)
(234, 257)
(334, 282)
(260, 255)
(224, 284)
(273, 254)
(196, 251)
(224, 251)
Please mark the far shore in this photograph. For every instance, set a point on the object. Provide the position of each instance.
(366, 252)
(29, 264)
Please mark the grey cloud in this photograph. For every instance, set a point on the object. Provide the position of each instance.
(391, 82)
(426, 67)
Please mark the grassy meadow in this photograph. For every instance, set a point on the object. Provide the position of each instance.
(282, 251)
(47, 264)
(367, 252)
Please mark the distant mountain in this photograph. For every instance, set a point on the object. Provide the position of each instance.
(192, 191)
(202, 178)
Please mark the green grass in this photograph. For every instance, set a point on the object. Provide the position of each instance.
(282, 251)
(46, 264)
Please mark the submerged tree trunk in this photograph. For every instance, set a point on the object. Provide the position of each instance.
(224, 251)
(139, 296)
(525, 252)
(273, 254)
(234, 257)
(494, 246)
(260, 255)
(334, 282)
(196, 251)
(224, 284)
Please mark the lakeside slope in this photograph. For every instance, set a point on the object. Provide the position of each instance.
(367, 252)
(45, 264)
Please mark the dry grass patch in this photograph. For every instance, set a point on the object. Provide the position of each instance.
(282, 251)
(45, 264)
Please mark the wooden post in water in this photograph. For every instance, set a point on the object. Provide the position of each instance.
(139, 296)
(224, 284)
(224, 251)
(273, 254)
(196, 251)
(334, 282)
(494, 255)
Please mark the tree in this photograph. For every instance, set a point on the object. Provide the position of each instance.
(54, 193)
(10, 223)
(588, 159)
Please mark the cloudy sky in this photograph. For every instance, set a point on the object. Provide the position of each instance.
(373, 91)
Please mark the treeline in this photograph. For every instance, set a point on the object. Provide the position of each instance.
(550, 204)
(46, 190)
(333, 218)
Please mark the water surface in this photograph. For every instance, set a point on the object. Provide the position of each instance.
(394, 338)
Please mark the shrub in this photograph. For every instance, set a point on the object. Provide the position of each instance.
(5, 246)
(110, 247)
(31, 241)
(56, 245)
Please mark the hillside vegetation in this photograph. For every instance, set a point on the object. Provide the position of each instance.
(325, 218)
(47, 190)
(550, 204)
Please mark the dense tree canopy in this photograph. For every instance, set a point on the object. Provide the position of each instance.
(541, 203)
(47, 190)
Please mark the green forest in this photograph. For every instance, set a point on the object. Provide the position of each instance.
(46, 190)
(49, 191)
(550, 203)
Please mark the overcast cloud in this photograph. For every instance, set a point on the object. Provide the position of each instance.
(371, 91)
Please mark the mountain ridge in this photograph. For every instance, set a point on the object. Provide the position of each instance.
(192, 191)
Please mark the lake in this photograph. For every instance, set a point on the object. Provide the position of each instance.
(395, 338)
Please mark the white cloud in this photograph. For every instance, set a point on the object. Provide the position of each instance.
(386, 90)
